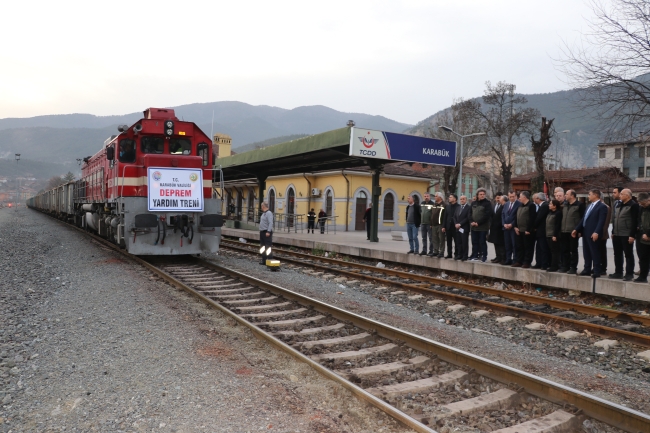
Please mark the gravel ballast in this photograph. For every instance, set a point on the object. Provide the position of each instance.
(611, 374)
(92, 342)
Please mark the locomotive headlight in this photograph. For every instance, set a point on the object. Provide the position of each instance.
(169, 128)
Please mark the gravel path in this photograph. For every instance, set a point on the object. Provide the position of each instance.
(544, 355)
(89, 342)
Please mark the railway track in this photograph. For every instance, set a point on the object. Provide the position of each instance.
(422, 383)
(634, 328)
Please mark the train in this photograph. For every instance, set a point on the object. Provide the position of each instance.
(148, 190)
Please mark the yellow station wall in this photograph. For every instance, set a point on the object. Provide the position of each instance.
(401, 188)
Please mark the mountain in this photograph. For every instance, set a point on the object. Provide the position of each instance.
(63, 138)
(580, 142)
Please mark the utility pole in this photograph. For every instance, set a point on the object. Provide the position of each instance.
(17, 185)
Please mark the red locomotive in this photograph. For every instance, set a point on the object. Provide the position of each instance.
(149, 189)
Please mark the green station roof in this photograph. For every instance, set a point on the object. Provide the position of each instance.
(327, 151)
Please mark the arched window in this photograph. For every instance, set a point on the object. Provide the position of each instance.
(389, 207)
(291, 206)
(328, 203)
(272, 201)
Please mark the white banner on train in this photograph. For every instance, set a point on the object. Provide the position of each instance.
(175, 189)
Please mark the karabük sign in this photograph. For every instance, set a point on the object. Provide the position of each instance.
(368, 143)
(175, 189)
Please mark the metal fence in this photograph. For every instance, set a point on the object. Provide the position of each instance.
(282, 221)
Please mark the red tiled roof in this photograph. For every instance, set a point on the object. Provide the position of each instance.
(574, 173)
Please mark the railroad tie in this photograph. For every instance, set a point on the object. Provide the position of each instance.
(262, 307)
(291, 322)
(249, 301)
(357, 338)
(274, 314)
(418, 386)
(309, 331)
(355, 355)
(384, 369)
(556, 422)
(238, 295)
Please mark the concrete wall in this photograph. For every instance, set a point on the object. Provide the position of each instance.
(534, 277)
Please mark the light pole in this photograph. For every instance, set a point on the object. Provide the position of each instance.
(460, 172)
(17, 185)
(557, 159)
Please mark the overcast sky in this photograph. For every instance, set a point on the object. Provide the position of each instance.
(401, 59)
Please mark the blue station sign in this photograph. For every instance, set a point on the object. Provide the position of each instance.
(368, 143)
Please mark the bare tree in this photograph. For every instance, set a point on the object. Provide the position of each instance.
(54, 182)
(459, 118)
(539, 148)
(609, 67)
(505, 120)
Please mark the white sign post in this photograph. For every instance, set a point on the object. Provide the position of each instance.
(175, 189)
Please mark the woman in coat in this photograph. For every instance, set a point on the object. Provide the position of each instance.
(553, 231)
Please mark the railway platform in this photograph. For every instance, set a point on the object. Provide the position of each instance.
(354, 243)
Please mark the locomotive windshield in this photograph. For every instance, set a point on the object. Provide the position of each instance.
(127, 150)
(150, 144)
(180, 146)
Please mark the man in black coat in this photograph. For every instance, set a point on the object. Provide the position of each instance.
(450, 229)
(496, 230)
(542, 252)
(461, 223)
(525, 231)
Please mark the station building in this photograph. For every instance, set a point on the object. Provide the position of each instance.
(343, 194)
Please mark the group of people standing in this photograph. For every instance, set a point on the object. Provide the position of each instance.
(524, 228)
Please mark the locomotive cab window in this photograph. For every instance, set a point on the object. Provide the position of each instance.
(127, 150)
(152, 144)
(203, 151)
(180, 146)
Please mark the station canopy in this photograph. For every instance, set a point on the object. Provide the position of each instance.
(321, 152)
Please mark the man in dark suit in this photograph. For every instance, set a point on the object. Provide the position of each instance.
(542, 252)
(496, 230)
(591, 226)
(450, 229)
(461, 224)
(508, 217)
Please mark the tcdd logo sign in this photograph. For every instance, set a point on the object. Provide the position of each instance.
(369, 143)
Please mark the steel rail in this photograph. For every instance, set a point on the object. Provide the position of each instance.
(629, 420)
(329, 374)
(594, 328)
(533, 299)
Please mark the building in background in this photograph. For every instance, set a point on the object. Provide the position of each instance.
(632, 157)
(581, 181)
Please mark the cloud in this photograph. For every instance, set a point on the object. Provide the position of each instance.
(401, 59)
